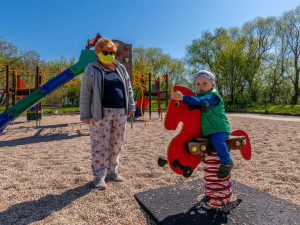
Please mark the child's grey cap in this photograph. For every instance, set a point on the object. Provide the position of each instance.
(209, 75)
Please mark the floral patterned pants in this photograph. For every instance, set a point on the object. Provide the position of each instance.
(107, 137)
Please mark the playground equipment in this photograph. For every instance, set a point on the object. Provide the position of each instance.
(39, 90)
(36, 94)
(8, 116)
(17, 89)
(188, 149)
(136, 80)
(140, 108)
(151, 86)
(155, 90)
(14, 88)
(149, 89)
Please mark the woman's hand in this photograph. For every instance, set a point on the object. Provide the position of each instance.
(130, 113)
(86, 121)
(177, 95)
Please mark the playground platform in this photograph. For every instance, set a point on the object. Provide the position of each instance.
(181, 204)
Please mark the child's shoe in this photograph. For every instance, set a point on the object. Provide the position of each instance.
(224, 170)
(115, 177)
(100, 184)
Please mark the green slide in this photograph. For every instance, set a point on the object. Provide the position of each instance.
(8, 116)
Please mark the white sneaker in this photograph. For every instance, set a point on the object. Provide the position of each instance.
(100, 184)
(115, 177)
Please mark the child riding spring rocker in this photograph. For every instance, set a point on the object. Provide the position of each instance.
(189, 148)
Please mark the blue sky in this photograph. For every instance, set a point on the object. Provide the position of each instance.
(56, 28)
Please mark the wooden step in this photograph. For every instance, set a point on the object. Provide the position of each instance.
(204, 146)
(23, 91)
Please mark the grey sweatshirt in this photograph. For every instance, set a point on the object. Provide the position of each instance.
(92, 89)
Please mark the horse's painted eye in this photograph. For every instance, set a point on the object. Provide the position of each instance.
(177, 104)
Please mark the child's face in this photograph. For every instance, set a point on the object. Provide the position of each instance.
(203, 84)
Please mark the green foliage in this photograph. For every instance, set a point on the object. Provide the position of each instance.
(2, 99)
(288, 28)
(60, 64)
(156, 62)
(154, 105)
(73, 94)
(20, 59)
(55, 97)
(260, 60)
(64, 96)
(256, 65)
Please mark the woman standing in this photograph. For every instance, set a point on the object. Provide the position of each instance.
(106, 98)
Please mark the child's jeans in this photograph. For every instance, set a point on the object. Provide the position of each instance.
(107, 137)
(218, 141)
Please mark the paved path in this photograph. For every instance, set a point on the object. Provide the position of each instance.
(265, 116)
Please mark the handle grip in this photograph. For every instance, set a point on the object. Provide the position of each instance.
(204, 107)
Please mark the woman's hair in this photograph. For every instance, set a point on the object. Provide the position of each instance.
(105, 43)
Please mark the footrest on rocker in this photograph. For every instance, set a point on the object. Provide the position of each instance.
(204, 146)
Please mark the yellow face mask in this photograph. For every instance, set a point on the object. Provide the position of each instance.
(106, 59)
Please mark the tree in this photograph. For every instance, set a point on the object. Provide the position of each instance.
(260, 34)
(225, 53)
(73, 94)
(22, 60)
(289, 27)
(275, 70)
(231, 65)
(58, 64)
(156, 62)
(201, 54)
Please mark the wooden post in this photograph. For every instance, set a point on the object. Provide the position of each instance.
(37, 77)
(158, 95)
(149, 89)
(39, 85)
(167, 94)
(36, 87)
(15, 88)
(7, 87)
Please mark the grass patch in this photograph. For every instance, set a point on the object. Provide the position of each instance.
(154, 105)
(246, 107)
(264, 108)
(62, 110)
(2, 108)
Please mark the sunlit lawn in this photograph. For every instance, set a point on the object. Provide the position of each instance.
(253, 107)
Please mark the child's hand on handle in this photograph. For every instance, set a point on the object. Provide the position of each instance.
(177, 95)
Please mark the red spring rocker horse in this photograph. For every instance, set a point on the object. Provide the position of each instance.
(188, 149)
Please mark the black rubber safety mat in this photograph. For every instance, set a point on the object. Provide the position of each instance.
(182, 204)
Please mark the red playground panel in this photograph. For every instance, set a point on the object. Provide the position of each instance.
(145, 103)
(179, 112)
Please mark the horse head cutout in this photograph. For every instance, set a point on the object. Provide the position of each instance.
(179, 112)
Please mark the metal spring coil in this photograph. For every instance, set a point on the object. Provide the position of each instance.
(218, 194)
